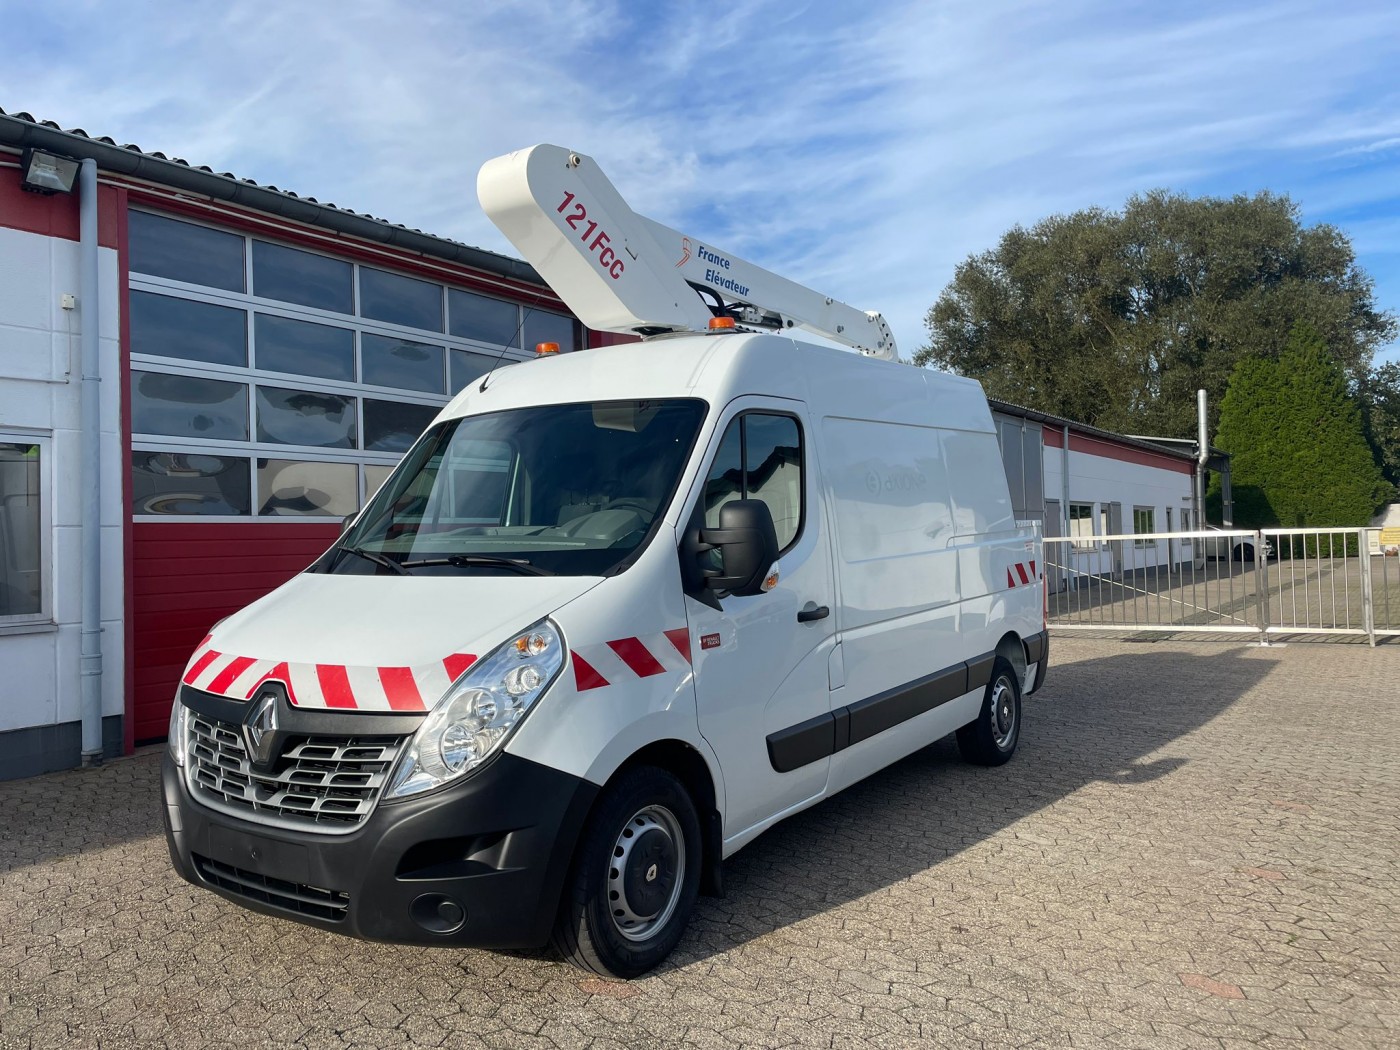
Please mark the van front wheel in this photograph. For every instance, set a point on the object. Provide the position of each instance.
(991, 738)
(634, 879)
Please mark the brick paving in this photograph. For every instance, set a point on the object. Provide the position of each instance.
(1197, 846)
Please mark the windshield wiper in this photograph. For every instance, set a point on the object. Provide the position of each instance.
(520, 565)
(377, 558)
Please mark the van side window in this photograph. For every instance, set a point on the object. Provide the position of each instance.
(760, 457)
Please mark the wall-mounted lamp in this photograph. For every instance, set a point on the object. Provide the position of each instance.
(47, 173)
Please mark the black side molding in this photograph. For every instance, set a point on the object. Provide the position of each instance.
(834, 731)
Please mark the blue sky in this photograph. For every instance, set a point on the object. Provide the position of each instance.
(862, 148)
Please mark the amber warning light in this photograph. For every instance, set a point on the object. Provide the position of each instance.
(721, 324)
(541, 349)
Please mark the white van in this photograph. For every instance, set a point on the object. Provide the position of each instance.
(616, 613)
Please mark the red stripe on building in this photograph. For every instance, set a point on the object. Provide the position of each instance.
(200, 664)
(680, 638)
(225, 678)
(335, 685)
(637, 656)
(457, 663)
(1106, 449)
(401, 689)
(585, 677)
(1021, 572)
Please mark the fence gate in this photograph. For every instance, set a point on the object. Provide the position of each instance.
(1252, 583)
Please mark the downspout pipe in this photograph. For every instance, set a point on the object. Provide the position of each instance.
(90, 465)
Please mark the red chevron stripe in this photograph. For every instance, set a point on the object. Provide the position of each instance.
(1021, 572)
(680, 638)
(637, 656)
(585, 677)
(1009, 581)
(225, 678)
(1032, 568)
(281, 673)
(457, 663)
(335, 685)
(197, 668)
(401, 689)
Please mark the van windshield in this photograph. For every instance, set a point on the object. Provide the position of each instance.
(569, 490)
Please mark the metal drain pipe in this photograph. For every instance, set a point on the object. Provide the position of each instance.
(90, 465)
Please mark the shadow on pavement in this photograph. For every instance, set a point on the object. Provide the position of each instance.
(1094, 721)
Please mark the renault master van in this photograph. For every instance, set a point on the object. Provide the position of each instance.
(615, 614)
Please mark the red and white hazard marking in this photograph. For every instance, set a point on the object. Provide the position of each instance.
(627, 659)
(1020, 574)
(338, 686)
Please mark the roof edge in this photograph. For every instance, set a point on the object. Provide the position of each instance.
(1007, 408)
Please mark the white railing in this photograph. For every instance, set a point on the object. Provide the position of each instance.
(1264, 583)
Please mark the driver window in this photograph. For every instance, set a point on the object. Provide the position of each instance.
(760, 457)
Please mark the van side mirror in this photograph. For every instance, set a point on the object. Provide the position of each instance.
(347, 521)
(748, 546)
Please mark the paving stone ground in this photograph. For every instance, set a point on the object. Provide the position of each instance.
(1196, 846)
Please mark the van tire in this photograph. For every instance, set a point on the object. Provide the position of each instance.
(991, 738)
(649, 813)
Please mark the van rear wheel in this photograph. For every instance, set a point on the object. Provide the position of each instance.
(634, 878)
(991, 738)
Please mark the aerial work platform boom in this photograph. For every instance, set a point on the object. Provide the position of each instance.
(622, 272)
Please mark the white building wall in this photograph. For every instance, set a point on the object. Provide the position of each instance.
(1102, 480)
(40, 381)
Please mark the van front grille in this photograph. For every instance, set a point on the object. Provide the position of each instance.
(316, 783)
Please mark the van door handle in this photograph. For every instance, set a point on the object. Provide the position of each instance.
(812, 611)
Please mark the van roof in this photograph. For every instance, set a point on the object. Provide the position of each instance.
(718, 368)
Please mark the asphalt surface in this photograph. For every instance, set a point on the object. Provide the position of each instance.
(1196, 846)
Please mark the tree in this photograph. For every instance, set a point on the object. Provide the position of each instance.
(1116, 318)
(1295, 434)
(1379, 395)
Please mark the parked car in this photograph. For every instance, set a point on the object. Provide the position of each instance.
(1236, 546)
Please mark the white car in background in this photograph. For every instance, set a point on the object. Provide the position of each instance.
(1233, 545)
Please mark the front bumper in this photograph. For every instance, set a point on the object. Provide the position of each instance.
(480, 863)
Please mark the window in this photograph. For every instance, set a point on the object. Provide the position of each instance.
(164, 326)
(1144, 521)
(293, 487)
(544, 327)
(486, 320)
(249, 359)
(189, 483)
(392, 426)
(305, 417)
(21, 533)
(1081, 526)
(188, 406)
(759, 457)
(304, 278)
(400, 300)
(182, 251)
(386, 361)
(303, 348)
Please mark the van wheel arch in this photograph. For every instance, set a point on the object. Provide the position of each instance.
(1013, 650)
(688, 766)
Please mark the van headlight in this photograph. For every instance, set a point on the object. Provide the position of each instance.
(474, 717)
(178, 717)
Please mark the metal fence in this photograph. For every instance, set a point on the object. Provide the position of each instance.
(1252, 583)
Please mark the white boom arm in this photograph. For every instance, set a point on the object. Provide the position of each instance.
(622, 272)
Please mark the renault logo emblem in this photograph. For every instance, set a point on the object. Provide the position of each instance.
(260, 729)
(651, 873)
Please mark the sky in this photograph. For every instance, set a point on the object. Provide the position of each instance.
(863, 149)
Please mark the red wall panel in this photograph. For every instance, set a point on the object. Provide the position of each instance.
(186, 577)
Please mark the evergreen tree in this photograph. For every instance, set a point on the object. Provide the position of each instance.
(1296, 440)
